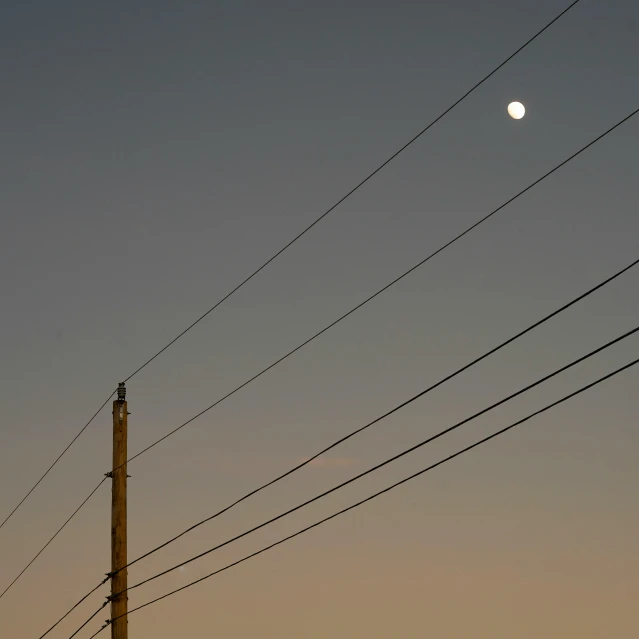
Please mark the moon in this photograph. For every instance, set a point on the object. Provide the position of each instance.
(516, 110)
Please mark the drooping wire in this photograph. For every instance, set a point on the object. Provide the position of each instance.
(359, 430)
(90, 618)
(75, 512)
(389, 460)
(95, 634)
(403, 275)
(332, 208)
(377, 494)
(74, 607)
(608, 131)
(356, 188)
(57, 460)
(375, 421)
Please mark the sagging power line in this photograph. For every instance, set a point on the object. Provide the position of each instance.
(375, 495)
(370, 298)
(297, 237)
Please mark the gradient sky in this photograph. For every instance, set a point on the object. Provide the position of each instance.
(155, 153)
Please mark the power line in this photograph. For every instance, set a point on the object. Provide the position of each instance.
(75, 512)
(391, 459)
(359, 430)
(74, 607)
(57, 460)
(412, 399)
(381, 492)
(308, 228)
(356, 188)
(557, 167)
(89, 619)
(416, 266)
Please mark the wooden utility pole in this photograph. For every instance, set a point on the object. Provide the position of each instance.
(119, 627)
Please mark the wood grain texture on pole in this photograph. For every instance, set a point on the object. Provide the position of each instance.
(119, 627)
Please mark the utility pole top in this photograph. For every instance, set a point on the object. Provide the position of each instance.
(121, 392)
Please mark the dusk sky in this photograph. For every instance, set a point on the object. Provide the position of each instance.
(156, 153)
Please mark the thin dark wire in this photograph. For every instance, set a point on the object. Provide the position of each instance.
(366, 301)
(57, 460)
(377, 170)
(75, 512)
(74, 607)
(449, 377)
(89, 619)
(392, 157)
(381, 492)
(432, 255)
(95, 634)
(388, 461)
(359, 430)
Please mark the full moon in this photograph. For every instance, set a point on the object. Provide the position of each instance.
(516, 110)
